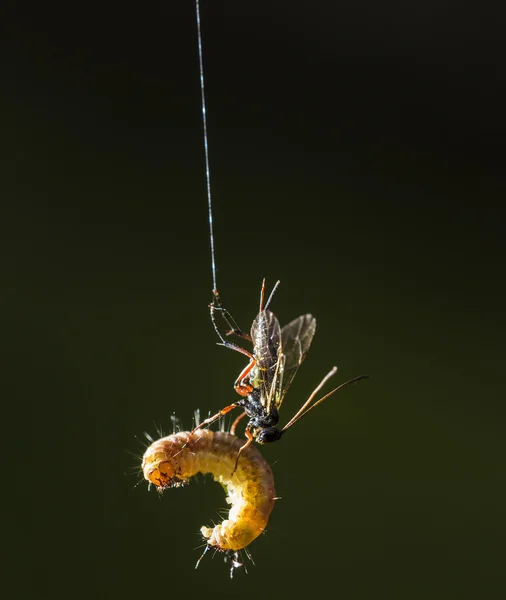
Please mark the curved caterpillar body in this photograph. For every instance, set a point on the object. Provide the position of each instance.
(171, 461)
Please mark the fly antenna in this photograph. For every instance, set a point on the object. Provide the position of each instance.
(274, 289)
(262, 295)
(206, 149)
(307, 406)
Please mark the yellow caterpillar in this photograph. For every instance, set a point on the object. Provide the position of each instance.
(171, 461)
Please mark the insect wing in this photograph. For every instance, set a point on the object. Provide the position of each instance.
(296, 338)
(266, 337)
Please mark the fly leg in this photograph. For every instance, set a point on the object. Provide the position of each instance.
(218, 415)
(236, 422)
(233, 328)
(240, 385)
(209, 421)
(250, 437)
(224, 342)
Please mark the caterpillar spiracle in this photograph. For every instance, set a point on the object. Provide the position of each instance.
(173, 460)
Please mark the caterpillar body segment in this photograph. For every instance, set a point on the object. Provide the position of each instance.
(173, 460)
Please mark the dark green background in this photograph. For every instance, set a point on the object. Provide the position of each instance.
(355, 153)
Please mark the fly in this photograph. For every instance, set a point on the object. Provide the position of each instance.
(274, 361)
(277, 351)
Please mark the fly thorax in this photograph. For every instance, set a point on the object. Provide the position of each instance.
(255, 377)
(252, 404)
(272, 418)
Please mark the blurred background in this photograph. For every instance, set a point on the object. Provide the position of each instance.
(356, 156)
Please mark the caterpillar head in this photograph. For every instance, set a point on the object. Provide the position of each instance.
(163, 474)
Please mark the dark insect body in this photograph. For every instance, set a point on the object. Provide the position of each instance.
(277, 355)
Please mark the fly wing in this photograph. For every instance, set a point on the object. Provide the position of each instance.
(266, 337)
(296, 337)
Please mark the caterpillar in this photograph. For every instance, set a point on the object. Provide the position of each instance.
(173, 460)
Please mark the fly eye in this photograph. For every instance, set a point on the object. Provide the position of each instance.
(268, 434)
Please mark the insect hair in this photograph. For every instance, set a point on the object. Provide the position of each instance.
(174, 460)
